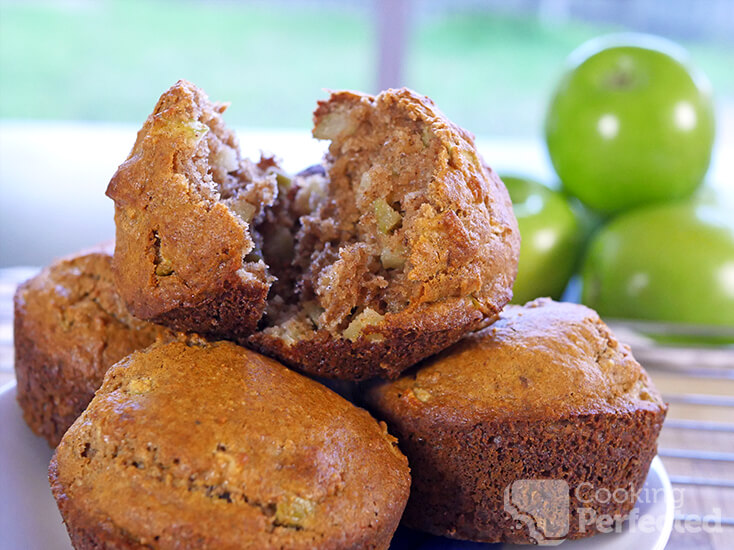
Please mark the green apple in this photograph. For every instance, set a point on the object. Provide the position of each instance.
(631, 122)
(671, 262)
(552, 235)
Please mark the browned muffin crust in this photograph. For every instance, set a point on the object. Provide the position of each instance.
(546, 392)
(186, 255)
(196, 445)
(403, 243)
(70, 326)
(385, 350)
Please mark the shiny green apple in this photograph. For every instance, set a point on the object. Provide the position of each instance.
(552, 237)
(670, 262)
(631, 122)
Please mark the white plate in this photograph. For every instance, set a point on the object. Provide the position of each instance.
(29, 518)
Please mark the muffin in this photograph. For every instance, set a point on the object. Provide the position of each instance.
(185, 202)
(70, 327)
(544, 394)
(398, 246)
(196, 445)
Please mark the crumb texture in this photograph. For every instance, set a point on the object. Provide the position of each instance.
(403, 230)
(546, 392)
(70, 327)
(219, 447)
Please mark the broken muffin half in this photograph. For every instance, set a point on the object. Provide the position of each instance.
(398, 246)
(393, 249)
(186, 201)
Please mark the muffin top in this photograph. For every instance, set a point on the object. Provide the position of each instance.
(72, 310)
(185, 199)
(544, 360)
(190, 444)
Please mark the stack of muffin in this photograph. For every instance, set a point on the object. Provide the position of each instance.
(153, 370)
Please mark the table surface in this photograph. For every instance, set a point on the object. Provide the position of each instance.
(696, 443)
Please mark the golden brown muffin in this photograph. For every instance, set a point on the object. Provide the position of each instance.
(545, 393)
(186, 256)
(70, 327)
(202, 445)
(402, 244)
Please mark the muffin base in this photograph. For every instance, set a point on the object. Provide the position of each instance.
(402, 341)
(460, 475)
(49, 400)
(232, 314)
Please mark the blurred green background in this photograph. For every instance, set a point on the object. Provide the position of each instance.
(489, 65)
(78, 77)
